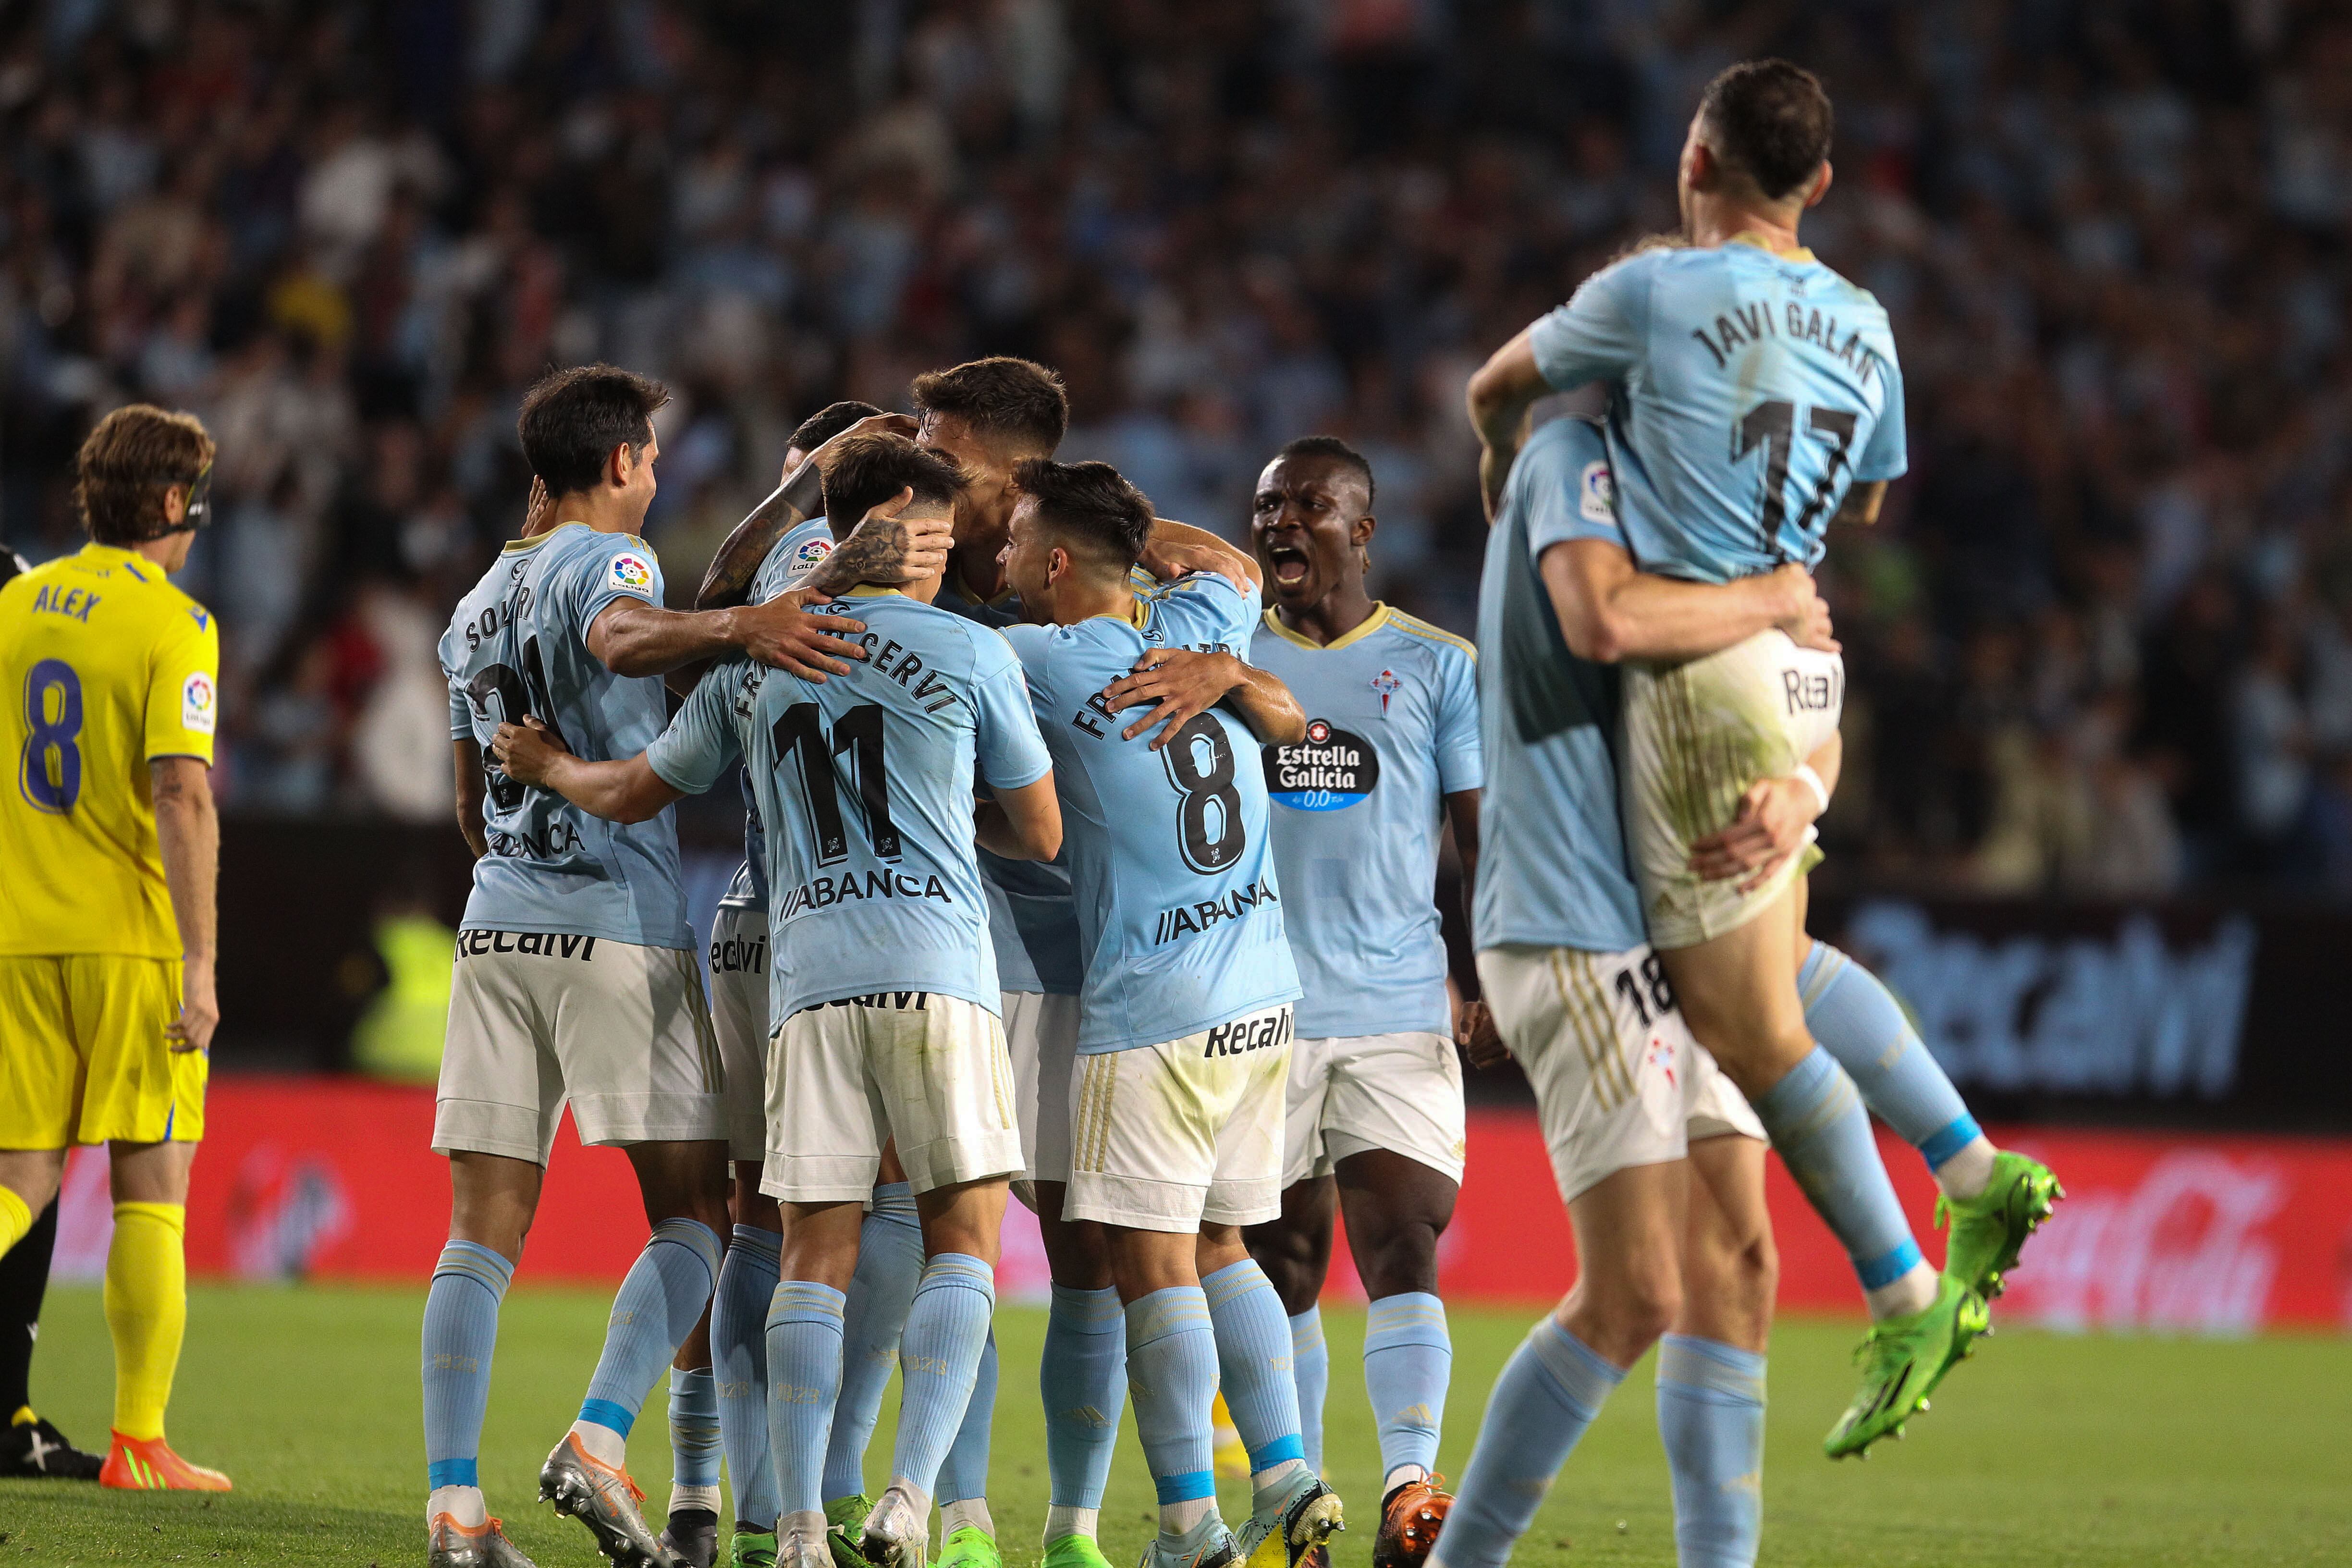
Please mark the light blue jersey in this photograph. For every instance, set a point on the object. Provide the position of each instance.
(1551, 855)
(517, 644)
(1179, 905)
(799, 553)
(866, 785)
(1392, 729)
(1751, 389)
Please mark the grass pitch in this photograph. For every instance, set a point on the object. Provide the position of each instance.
(2042, 1450)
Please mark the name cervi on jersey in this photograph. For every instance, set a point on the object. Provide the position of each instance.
(1332, 769)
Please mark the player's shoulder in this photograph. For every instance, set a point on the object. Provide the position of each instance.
(800, 551)
(1559, 451)
(1441, 643)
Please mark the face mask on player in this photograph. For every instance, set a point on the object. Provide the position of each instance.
(200, 505)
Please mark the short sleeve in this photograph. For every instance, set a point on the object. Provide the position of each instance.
(1010, 749)
(184, 688)
(1232, 614)
(621, 566)
(461, 714)
(1566, 486)
(1460, 763)
(791, 559)
(1885, 455)
(1600, 333)
(700, 743)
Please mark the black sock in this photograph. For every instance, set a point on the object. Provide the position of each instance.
(24, 1281)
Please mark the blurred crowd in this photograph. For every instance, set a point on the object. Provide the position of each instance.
(2101, 644)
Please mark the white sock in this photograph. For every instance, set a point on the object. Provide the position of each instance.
(1401, 1474)
(462, 1504)
(1274, 1484)
(1061, 1520)
(1966, 1173)
(971, 1513)
(602, 1444)
(809, 1524)
(1176, 1517)
(1914, 1291)
(693, 1496)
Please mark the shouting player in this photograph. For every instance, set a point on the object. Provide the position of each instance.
(107, 931)
(576, 979)
(884, 989)
(1757, 397)
(1183, 1044)
(1375, 1100)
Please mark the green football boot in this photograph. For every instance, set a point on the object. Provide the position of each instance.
(970, 1547)
(1988, 1231)
(1074, 1552)
(1903, 1361)
(752, 1549)
(845, 1518)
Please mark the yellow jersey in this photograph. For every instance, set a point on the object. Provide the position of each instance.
(103, 666)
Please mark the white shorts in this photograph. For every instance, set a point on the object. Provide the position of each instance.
(1172, 1136)
(1619, 1080)
(1352, 1094)
(1041, 1032)
(538, 1020)
(1696, 736)
(844, 1077)
(739, 1016)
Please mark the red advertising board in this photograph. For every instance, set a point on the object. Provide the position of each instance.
(318, 1177)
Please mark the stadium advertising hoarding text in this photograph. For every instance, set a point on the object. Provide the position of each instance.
(329, 1178)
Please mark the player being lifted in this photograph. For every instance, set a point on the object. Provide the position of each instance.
(884, 990)
(1756, 396)
(576, 979)
(106, 929)
(1185, 1028)
(1375, 1097)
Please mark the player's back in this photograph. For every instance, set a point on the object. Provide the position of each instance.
(105, 665)
(1392, 728)
(1552, 869)
(519, 644)
(1179, 909)
(1753, 389)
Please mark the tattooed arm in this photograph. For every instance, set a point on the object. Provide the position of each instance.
(789, 505)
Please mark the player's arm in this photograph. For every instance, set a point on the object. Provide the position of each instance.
(1177, 683)
(1178, 549)
(1863, 499)
(1501, 392)
(1609, 611)
(1770, 824)
(633, 637)
(187, 832)
(1461, 816)
(792, 502)
(629, 791)
(472, 786)
(1020, 823)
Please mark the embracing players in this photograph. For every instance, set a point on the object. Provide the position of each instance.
(1390, 757)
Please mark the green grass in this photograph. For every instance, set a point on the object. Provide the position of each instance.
(2044, 1450)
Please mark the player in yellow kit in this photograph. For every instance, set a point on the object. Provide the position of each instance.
(107, 704)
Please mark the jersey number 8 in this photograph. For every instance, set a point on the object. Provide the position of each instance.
(46, 738)
(1200, 758)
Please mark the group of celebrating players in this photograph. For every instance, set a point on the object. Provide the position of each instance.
(1091, 859)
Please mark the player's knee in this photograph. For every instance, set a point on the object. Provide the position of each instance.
(1405, 1261)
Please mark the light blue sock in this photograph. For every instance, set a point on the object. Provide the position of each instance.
(889, 1265)
(739, 1361)
(963, 1474)
(947, 1330)
(1549, 1391)
(1082, 1378)
(1711, 1417)
(804, 1383)
(1253, 1362)
(1408, 1362)
(659, 1302)
(1857, 1020)
(694, 1447)
(1171, 1375)
(1822, 1133)
(1310, 1369)
(461, 1329)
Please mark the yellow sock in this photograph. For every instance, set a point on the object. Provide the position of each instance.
(146, 1312)
(16, 1218)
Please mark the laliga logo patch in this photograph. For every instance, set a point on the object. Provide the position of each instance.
(1333, 769)
(632, 573)
(199, 707)
(1597, 494)
(811, 551)
(1388, 686)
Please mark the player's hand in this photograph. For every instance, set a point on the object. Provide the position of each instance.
(1475, 1033)
(1179, 682)
(534, 510)
(781, 633)
(1807, 621)
(1169, 559)
(905, 424)
(889, 549)
(525, 752)
(199, 1010)
(1768, 829)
